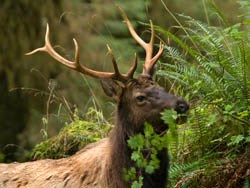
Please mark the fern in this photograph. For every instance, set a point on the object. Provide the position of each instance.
(211, 63)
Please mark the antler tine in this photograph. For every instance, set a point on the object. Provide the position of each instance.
(75, 65)
(131, 29)
(50, 50)
(133, 68)
(113, 61)
(148, 68)
(131, 71)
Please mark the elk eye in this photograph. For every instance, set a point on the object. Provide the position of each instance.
(140, 99)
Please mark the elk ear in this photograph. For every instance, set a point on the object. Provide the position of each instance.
(112, 88)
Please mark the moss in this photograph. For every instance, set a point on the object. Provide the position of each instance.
(70, 139)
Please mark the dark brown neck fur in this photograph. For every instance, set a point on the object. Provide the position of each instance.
(120, 154)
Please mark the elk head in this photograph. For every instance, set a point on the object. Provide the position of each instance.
(138, 99)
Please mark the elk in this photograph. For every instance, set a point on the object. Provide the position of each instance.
(100, 164)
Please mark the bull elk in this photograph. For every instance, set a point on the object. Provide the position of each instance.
(100, 164)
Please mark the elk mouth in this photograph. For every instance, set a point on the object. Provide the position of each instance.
(181, 108)
(160, 126)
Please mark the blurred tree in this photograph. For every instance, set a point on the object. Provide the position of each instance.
(20, 29)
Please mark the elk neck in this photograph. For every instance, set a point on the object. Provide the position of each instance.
(125, 127)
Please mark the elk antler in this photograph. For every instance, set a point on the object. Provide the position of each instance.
(75, 65)
(150, 61)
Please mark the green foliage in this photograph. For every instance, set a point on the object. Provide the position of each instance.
(170, 117)
(211, 66)
(145, 148)
(73, 137)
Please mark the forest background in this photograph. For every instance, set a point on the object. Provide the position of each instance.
(39, 96)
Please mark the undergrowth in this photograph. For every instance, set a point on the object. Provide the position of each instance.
(210, 65)
(73, 137)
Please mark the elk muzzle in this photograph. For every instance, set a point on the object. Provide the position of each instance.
(181, 106)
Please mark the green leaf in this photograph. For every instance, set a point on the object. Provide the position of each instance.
(136, 142)
(150, 169)
(148, 130)
(136, 155)
(138, 184)
(248, 139)
(236, 139)
(169, 117)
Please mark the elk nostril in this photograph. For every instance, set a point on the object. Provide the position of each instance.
(181, 106)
